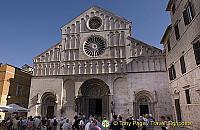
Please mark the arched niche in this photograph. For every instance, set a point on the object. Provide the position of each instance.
(48, 105)
(143, 104)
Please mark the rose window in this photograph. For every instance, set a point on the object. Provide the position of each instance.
(94, 46)
(94, 23)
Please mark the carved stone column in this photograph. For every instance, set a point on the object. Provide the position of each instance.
(76, 68)
(116, 38)
(112, 66)
(118, 66)
(110, 106)
(106, 70)
(87, 67)
(72, 42)
(103, 25)
(124, 66)
(94, 67)
(77, 41)
(71, 68)
(122, 39)
(99, 67)
(112, 24)
(82, 68)
(82, 24)
(107, 25)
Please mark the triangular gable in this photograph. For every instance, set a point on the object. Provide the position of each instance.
(100, 10)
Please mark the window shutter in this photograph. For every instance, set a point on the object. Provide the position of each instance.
(177, 32)
(170, 73)
(182, 61)
(196, 48)
(174, 72)
(187, 94)
(192, 9)
(185, 16)
(173, 9)
(168, 45)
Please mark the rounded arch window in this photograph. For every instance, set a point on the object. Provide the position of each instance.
(94, 23)
(94, 46)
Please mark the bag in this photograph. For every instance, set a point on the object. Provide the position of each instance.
(55, 122)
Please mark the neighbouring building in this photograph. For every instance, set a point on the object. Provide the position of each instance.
(14, 86)
(182, 44)
(98, 68)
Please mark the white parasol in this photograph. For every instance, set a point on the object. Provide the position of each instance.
(11, 108)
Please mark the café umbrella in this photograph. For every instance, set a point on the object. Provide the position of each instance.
(12, 108)
(5, 109)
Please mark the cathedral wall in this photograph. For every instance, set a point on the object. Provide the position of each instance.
(120, 96)
(156, 84)
(40, 86)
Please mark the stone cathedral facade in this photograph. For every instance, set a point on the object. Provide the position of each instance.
(97, 68)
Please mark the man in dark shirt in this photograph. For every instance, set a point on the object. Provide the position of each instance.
(115, 124)
(75, 125)
(131, 126)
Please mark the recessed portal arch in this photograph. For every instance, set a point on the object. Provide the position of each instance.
(143, 104)
(48, 106)
(93, 98)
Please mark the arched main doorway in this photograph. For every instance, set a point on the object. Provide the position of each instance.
(48, 105)
(143, 104)
(93, 98)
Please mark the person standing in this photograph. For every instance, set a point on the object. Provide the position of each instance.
(37, 123)
(44, 124)
(15, 123)
(30, 123)
(89, 124)
(8, 123)
(131, 126)
(20, 124)
(95, 126)
(66, 125)
(163, 120)
(24, 123)
(168, 127)
(115, 124)
(82, 124)
(61, 122)
(75, 125)
(55, 123)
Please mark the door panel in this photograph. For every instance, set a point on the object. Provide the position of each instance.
(144, 109)
(50, 111)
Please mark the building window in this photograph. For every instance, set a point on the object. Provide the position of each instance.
(19, 90)
(182, 62)
(173, 9)
(196, 48)
(172, 73)
(188, 14)
(168, 46)
(177, 34)
(178, 109)
(187, 95)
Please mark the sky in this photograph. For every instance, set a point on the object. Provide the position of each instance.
(29, 27)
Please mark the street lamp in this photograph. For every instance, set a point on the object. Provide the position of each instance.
(8, 96)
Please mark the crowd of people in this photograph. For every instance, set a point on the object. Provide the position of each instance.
(80, 122)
